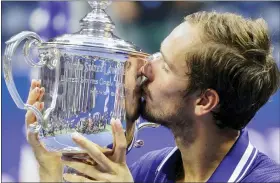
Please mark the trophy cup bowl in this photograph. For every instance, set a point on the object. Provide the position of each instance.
(89, 77)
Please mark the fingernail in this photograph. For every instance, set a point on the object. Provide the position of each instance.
(37, 90)
(38, 83)
(37, 104)
(76, 136)
(42, 105)
(42, 90)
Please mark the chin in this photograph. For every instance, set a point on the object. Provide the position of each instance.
(148, 114)
(145, 112)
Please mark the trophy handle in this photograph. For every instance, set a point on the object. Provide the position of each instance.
(12, 44)
(137, 127)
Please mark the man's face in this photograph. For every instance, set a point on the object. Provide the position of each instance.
(163, 93)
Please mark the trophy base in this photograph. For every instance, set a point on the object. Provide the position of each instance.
(63, 142)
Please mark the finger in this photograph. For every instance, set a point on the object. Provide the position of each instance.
(92, 149)
(32, 138)
(114, 139)
(85, 169)
(121, 144)
(42, 92)
(35, 83)
(30, 117)
(33, 128)
(84, 158)
(33, 96)
(76, 178)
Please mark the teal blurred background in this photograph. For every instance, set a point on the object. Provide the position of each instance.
(144, 23)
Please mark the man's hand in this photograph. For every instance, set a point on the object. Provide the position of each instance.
(108, 169)
(50, 166)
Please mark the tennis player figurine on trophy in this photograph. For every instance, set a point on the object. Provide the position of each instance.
(87, 79)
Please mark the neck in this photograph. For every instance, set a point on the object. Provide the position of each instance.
(203, 150)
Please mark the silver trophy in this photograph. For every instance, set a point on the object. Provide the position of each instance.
(89, 77)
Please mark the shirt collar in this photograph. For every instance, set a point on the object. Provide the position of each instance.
(232, 168)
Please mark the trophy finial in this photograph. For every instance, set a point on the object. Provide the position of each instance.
(99, 4)
(97, 21)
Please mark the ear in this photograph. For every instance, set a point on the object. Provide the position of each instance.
(206, 102)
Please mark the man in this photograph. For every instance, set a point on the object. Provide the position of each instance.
(213, 73)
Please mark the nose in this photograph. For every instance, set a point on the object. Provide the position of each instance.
(147, 71)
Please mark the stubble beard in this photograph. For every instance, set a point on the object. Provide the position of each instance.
(180, 124)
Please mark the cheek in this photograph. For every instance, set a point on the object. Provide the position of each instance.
(171, 87)
(165, 86)
(166, 91)
(161, 88)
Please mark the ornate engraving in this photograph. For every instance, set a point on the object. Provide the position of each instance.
(90, 93)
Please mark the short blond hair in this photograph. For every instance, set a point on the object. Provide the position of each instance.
(235, 59)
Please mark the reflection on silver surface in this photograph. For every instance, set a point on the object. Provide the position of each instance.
(138, 143)
(83, 82)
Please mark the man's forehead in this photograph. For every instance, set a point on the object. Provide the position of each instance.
(176, 45)
(181, 30)
(182, 34)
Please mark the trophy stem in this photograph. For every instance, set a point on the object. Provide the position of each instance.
(97, 21)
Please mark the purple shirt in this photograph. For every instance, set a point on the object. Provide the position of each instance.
(243, 163)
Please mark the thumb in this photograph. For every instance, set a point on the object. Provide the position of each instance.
(120, 141)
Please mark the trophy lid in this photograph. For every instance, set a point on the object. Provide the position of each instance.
(96, 33)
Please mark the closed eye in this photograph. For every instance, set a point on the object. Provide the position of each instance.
(164, 67)
(158, 56)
